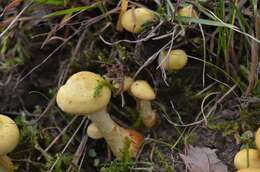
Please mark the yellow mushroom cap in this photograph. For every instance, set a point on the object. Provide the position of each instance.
(127, 83)
(78, 97)
(176, 60)
(93, 132)
(133, 19)
(142, 90)
(249, 170)
(242, 158)
(6, 164)
(9, 135)
(187, 11)
(257, 139)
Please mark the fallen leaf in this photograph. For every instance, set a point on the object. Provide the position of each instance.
(11, 5)
(202, 159)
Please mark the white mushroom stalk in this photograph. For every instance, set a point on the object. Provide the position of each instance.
(144, 94)
(9, 134)
(84, 94)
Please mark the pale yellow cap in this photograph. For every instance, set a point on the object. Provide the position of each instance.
(257, 139)
(249, 170)
(93, 132)
(133, 19)
(187, 11)
(176, 60)
(142, 90)
(77, 96)
(9, 135)
(240, 159)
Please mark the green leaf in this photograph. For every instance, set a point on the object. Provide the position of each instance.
(70, 11)
(52, 2)
(203, 21)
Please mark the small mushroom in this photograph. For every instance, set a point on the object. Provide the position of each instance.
(257, 139)
(9, 133)
(176, 60)
(249, 170)
(93, 132)
(247, 155)
(187, 11)
(144, 94)
(126, 83)
(83, 94)
(134, 19)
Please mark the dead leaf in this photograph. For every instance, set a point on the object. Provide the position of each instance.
(11, 5)
(202, 159)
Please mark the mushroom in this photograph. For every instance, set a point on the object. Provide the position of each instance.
(93, 132)
(134, 19)
(187, 11)
(176, 60)
(144, 94)
(245, 156)
(257, 139)
(84, 94)
(9, 133)
(249, 170)
(126, 83)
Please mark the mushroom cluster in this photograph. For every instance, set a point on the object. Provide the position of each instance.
(143, 93)
(248, 160)
(9, 134)
(134, 19)
(78, 96)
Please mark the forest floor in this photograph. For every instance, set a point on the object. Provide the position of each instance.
(213, 102)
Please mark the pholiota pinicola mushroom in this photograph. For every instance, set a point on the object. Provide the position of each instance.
(134, 19)
(176, 59)
(247, 158)
(9, 134)
(144, 94)
(187, 11)
(249, 170)
(78, 96)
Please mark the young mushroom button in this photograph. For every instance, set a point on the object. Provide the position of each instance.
(144, 94)
(9, 134)
(134, 19)
(93, 132)
(187, 11)
(79, 96)
(176, 60)
(247, 155)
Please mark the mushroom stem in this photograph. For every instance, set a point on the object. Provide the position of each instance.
(103, 121)
(147, 114)
(116, 136)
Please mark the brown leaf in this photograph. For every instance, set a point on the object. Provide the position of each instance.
(12, 5)
(202, 159)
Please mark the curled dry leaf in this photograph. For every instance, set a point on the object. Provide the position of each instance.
(202, 159)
